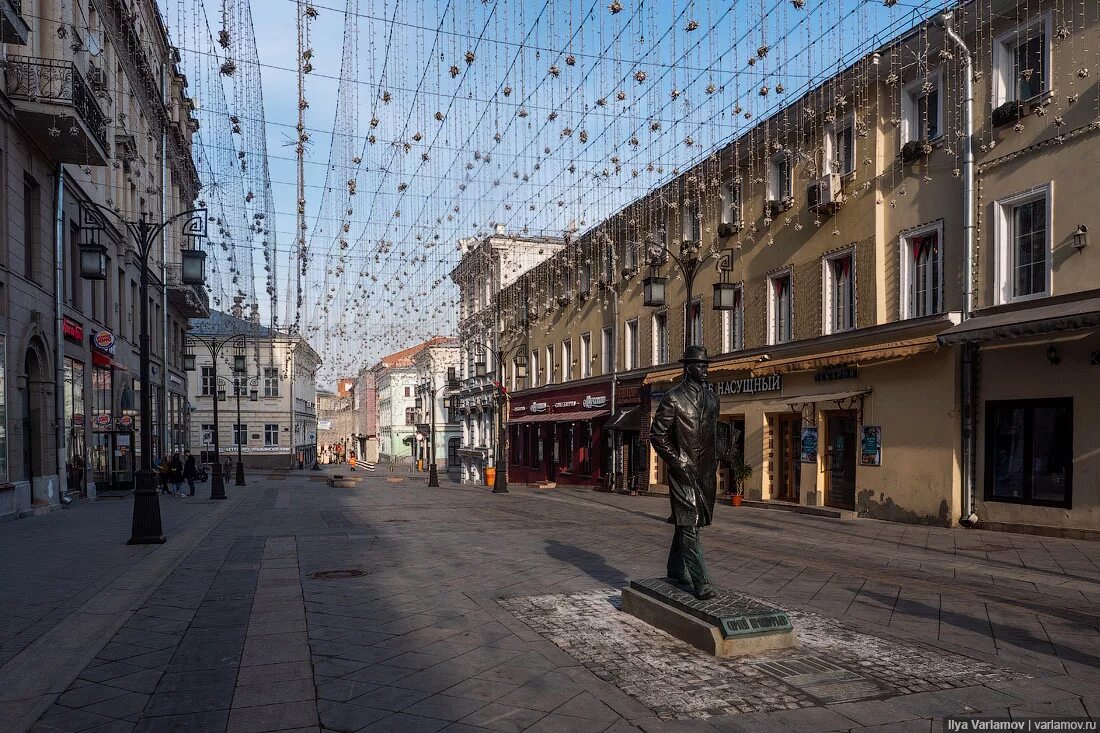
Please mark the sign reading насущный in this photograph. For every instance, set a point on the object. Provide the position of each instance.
(749, 385)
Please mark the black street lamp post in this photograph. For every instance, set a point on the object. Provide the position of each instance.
(690, 263)
(427, 387)
(214, 346)
(239, 383)
(146, 527)
(500, 481)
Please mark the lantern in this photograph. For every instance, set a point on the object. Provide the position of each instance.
(479, 367)
(188, 362)
(1080, 237)
(254, 395)
(521, 367)
(725, 296)
(238, 362)
(93, 257)
(194, 267)
(653, 288)
(221, 395)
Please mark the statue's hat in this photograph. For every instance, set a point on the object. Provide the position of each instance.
(696, 354)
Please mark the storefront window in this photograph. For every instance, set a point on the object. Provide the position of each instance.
(74, 423)
(1029, 451)
(102, 424)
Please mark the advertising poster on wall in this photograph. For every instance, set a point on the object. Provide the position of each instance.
(870, 453)
(808, 452)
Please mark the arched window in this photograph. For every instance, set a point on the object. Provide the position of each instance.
(410, 416)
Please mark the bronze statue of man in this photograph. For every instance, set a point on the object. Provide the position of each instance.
(686, 437)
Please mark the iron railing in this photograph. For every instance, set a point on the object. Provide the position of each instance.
(49, 80)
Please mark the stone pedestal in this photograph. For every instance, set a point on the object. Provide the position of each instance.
(728, 625)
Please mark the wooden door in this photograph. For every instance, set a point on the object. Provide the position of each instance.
(840, 460)
(788, 471)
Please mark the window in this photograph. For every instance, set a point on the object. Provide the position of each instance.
(408, 391)
(453, 459)
(660, 338)
(240, 434)
(733, 324)
(271, 433)
(586, 355)
(840, 147)
(76, 282)
(607, 350)
(921, 109)
(1024, 248)
(566, 360)
(32, 205)
(410, 416)
(1022, 63)
(133, 315)
(208, 387)
(922, 273)
(535, 376)
(630, 348)
(271, 382)
(780, 306)
(1029, 451)
(630, 256)
(840, 295)
(730, 197)
(550, 365)
(691, 225)
(695, 318)
(779, 182)
(586, 278)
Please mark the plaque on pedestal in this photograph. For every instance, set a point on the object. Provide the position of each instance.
(728, 625)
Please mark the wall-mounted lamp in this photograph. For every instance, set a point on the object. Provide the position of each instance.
(1052, 356)
(1080, 237)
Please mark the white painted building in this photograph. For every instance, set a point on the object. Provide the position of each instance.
(437, 369)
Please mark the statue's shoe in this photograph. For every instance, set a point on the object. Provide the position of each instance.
(704, 592)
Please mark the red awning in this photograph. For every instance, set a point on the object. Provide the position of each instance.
(561, 416)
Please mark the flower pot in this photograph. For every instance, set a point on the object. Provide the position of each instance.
(737, 500)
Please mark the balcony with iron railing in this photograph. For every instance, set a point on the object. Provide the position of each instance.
(57, 107)
(13, 27)
(191, 300)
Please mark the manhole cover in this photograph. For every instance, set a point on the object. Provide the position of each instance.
(337, 574)
(825, 680)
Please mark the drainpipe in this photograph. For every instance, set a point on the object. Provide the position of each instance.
(968, 393)
(164, 400)
(617, 443)
(59, 337)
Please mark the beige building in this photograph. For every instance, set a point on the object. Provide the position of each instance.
(89, 114)
(901, 323)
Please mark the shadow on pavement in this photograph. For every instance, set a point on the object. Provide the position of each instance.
(590, 562)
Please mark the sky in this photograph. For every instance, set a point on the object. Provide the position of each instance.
(454, 115)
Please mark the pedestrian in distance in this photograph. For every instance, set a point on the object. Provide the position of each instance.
(161, 467)
(175, 474)
(189, 472)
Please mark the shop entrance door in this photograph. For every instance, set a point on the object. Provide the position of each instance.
(840, 457)
(788, 471)
(550, 451)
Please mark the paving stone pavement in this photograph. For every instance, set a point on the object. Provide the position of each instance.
(427, 622)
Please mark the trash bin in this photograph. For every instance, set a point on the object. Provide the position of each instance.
(490, 476)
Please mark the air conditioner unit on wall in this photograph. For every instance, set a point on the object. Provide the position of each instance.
(824, 194)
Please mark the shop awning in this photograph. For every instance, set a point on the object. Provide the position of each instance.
(861, 355)
(560, 416)
(628, 419)
(796, 402)
(1036, 320)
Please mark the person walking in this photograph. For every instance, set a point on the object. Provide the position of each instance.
(161, 467)
(175, 474)
(189, 472)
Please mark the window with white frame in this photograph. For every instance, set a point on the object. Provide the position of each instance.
(694, 316)
(780, 308)
(586, 278)
(1022, 229)
(733, 324)
(730, 199)
(630, 256)
(922, 108)
(1022, 62)
(566, 360)
(208, 381)
(922, 272)
(691, 225)
(660, 337)
(240, 435)
(551, 366)
(607, 349)
(586, 355)
(840, 147)
(780, 181)
(630, 347)
(271, 433)
(536, 378)
(840, 293)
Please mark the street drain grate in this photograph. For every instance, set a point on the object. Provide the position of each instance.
(337, 574)
(824, 680)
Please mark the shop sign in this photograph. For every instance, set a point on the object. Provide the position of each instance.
(78, 420)
(519, 408)
(126, 422)
(73, 331)
(751, 385)
(628, 395)
(173, 379)
(104, 341)
(324, 424)
(565, 404)
(832, 374)
(264, 449)
(809, 446)
(538, 407)
(870, 447)
(102, 421)
(208, 437)
(591, 402)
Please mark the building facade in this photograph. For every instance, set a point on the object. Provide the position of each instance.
(91, 114)
(437, 383)
(395, 379)
(487, 266)
(277, 393)
(338, 438)
(902, 317)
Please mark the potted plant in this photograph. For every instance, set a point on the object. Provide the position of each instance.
(739, 473)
